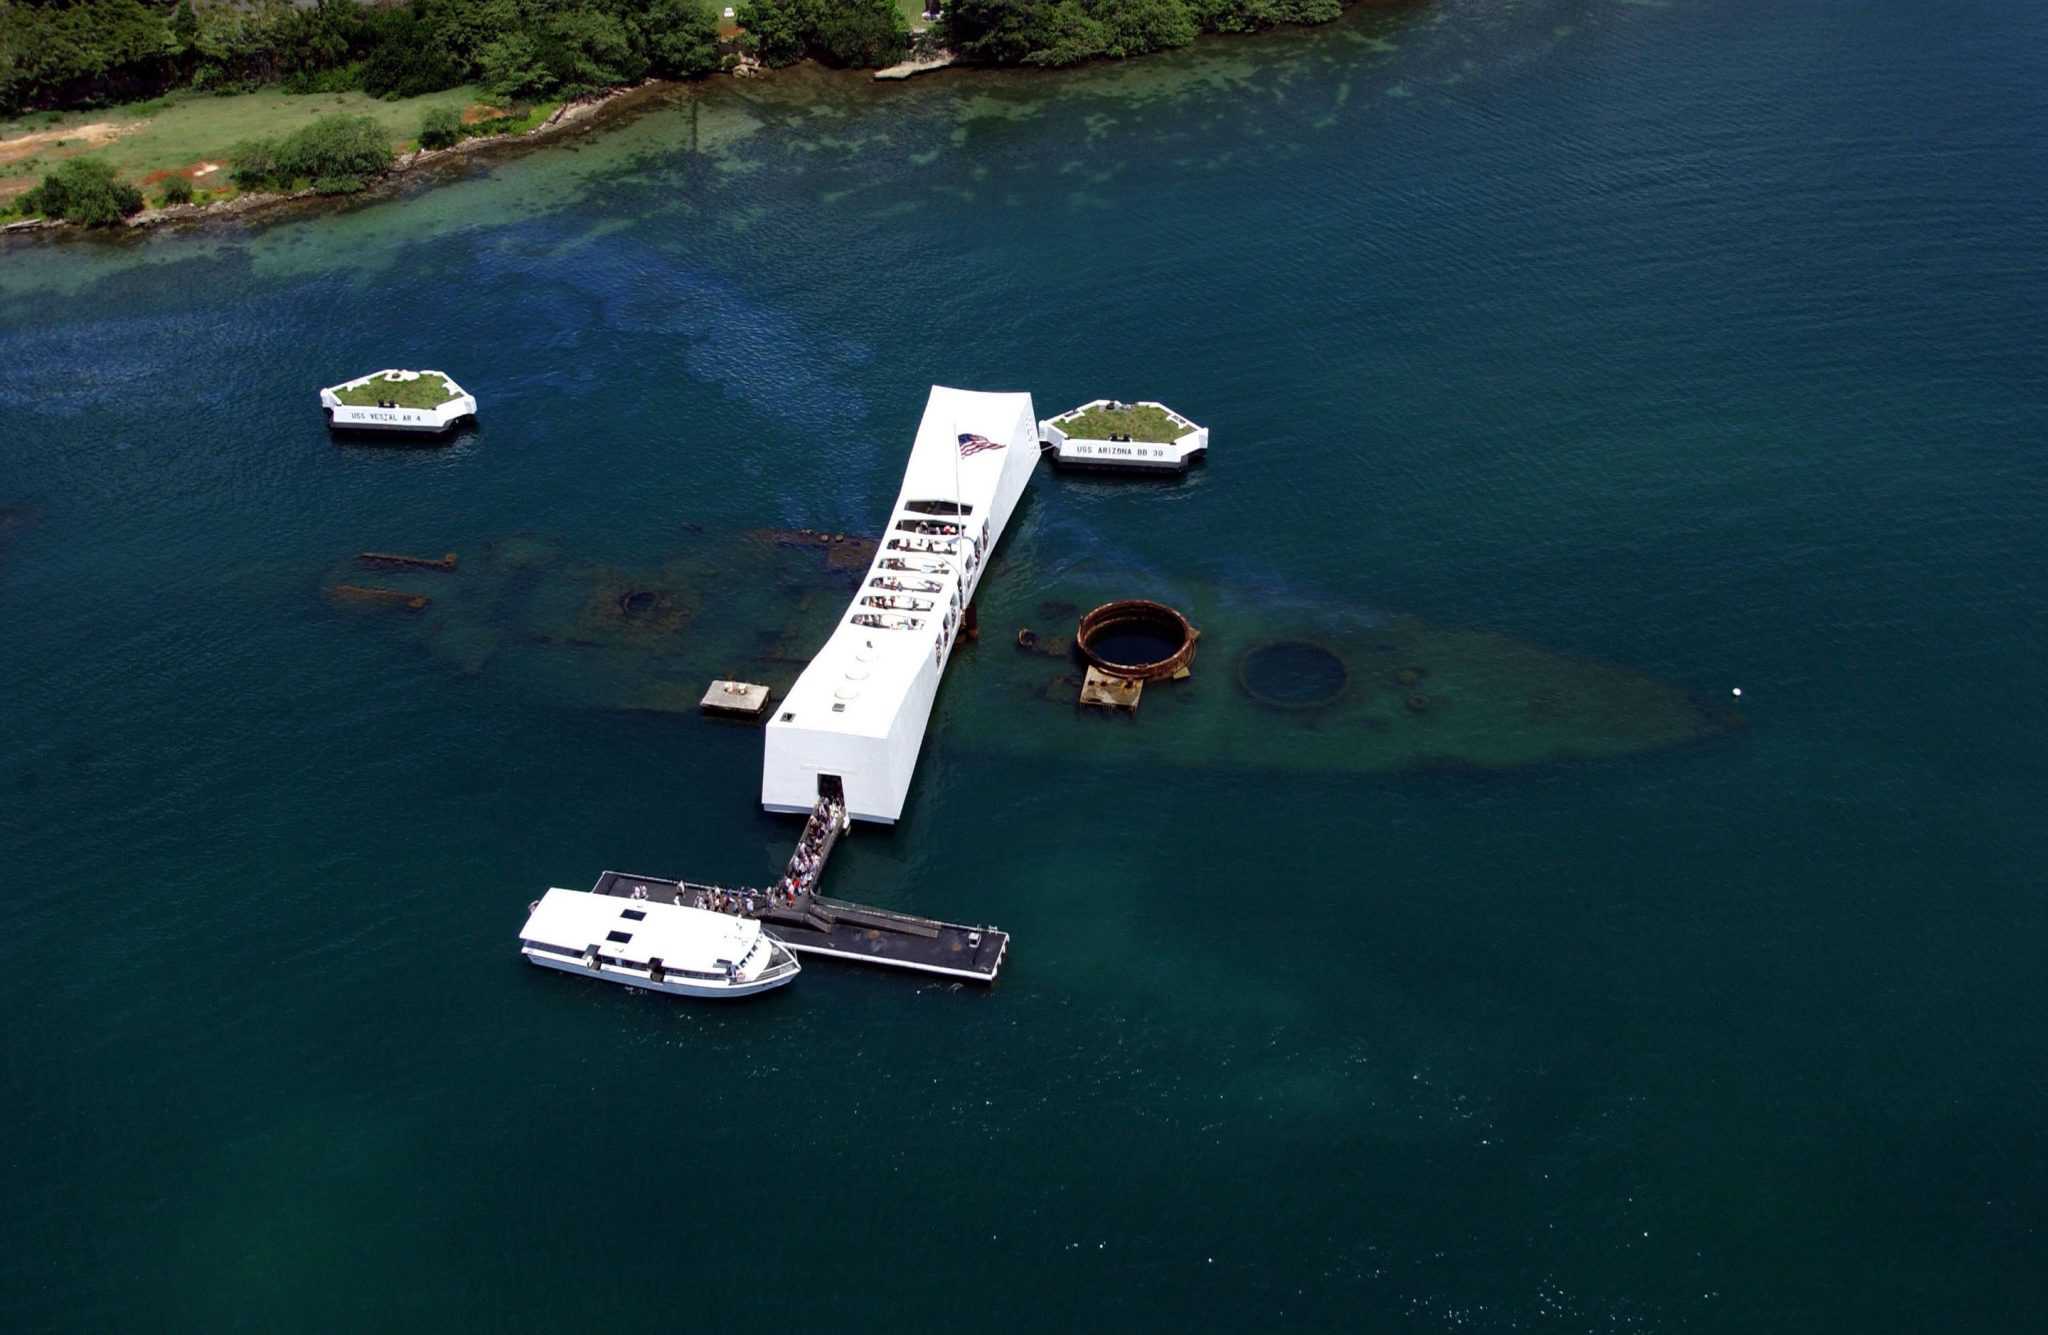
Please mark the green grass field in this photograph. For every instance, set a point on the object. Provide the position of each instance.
(429, 391)
(1137, 423)
(177, 132)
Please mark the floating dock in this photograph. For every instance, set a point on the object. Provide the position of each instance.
(810, 924)
(814, 925)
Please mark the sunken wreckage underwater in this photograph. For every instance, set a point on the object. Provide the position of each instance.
(1282, 683)
(1286, 680)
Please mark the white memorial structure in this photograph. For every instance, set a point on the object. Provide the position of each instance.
(854, 721)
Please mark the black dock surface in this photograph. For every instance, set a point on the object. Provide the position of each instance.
(811, 924)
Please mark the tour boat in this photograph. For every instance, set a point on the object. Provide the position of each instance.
(851, 726)
(663, 946)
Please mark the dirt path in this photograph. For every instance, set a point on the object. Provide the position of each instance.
(71, 136)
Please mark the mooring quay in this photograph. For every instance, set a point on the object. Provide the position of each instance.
(810, 924)
(816, 925)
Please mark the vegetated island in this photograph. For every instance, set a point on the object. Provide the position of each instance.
(145, 111)
(1130, 421)
(424, 390)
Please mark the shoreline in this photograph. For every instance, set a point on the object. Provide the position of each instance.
(579, 114)
(587, 113)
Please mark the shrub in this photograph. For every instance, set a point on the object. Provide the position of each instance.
(177, 190)
(254, 163)
(440, 127)
(83, 190)
(337, 153)
(334, 146)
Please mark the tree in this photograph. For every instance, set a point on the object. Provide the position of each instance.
(1134, 27)
(682, 38)
(177, 190)
(857, 34)
(995, 32)
(591, 49)
(774, 28)
(84, 190)
(838, 32)
(406, 56)
(184, 26)
(511, 67)
(1068, 34)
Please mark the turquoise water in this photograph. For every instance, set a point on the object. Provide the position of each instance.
(1705, 340)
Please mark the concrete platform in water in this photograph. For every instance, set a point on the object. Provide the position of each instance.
(816, 925)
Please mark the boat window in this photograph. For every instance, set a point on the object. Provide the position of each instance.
(635, 914)
(621, 937)
(938, 507)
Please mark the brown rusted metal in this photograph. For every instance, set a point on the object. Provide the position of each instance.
(1106, 690)
(356, 593)
(409, 562)
(1136, 613)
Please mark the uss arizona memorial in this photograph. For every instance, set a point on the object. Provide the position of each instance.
(842, 746)
(853, 723)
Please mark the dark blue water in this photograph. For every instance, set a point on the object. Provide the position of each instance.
(1703, 339)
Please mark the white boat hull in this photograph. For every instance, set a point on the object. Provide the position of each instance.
(678, 987)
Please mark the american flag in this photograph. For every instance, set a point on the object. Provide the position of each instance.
(972, 444)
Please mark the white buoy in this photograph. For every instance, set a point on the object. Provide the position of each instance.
(1736, 691)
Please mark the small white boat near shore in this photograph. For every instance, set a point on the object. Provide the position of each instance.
(654, 943)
